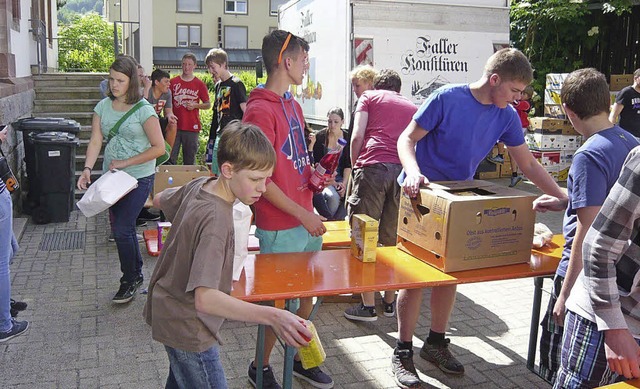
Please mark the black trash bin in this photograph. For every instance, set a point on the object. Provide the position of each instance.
(30, 127)
(55, 156)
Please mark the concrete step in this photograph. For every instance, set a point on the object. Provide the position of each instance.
(73, 92)
(69, 79)
(67, 105)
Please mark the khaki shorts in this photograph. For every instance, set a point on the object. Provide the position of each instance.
(375, 192)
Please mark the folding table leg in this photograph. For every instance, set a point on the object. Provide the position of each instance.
(289, 352)
(535, 319)
(260, 358)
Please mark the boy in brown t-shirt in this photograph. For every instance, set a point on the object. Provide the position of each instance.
(189, 290)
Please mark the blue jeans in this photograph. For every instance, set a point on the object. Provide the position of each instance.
(195, 370)
(123, 215)
(8, 247)
(329, 204)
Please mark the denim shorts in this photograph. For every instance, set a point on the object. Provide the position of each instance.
(293, 240)
(195, 370)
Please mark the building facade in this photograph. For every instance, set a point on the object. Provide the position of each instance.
(27, 46)
(163, 30)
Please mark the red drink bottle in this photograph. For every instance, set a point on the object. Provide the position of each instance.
(325, 168)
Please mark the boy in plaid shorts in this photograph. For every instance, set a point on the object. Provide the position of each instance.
(602, 327)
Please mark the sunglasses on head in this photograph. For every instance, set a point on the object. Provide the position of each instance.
(284, 47)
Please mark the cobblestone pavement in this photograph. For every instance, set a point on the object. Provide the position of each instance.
(79, 339)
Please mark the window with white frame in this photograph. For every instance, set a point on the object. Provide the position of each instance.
(189, 5)
(188, 35)
(235, 6)
(273, 7)
(235, 37)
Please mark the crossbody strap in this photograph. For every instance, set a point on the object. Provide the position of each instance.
(116, 127)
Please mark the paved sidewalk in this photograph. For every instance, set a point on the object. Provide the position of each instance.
(79, 339)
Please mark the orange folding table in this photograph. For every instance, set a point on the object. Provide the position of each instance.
(290, 276)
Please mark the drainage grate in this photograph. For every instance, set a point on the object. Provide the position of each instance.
(67, 240)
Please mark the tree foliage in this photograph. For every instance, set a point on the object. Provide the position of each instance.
(69, 9)
(86, 44)
(553, 34)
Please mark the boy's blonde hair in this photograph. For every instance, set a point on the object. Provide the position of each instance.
(510, 64)
(245, 146)
(364, 73)
(218, 56)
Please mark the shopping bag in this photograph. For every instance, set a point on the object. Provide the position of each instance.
(106, 191)
(242, 224)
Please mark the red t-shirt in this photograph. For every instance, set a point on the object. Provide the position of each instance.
(182, 92)
(282, 121)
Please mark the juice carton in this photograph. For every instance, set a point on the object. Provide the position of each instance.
(163, 232)
(364, 237)
(312, 355)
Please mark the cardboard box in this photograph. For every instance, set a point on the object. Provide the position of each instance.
(555, 80)
(364, 237)
(505, 169)
(619, 81)
(550, 126)
(462, 225)
(547, 158)
(169, 176)
(554, 111)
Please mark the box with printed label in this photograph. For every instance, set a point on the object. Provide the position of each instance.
(462, 225)
(554, 111)
(550, 126)
(169, 176)
(619, 81)
(547, 158)
(555, 80)
(364, 237)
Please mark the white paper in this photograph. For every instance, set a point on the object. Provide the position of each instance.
(242, 224)
(106, 191)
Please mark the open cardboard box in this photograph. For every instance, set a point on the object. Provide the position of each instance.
(463, 225)
(169, 176)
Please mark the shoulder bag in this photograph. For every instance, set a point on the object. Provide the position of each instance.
(114, 131)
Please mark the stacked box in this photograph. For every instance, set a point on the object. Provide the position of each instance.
(505, 169)
(551, 138)
(619, 81)
(550, 160)
(552, 103)
(487, 170)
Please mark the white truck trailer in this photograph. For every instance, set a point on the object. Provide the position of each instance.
(429, 43)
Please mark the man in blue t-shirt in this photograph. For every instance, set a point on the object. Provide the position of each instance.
(594, 170)
(446, 140)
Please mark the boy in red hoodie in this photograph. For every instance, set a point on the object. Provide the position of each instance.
(285, 219)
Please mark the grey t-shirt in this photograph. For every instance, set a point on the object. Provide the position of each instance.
(198, 253)
(162, 102)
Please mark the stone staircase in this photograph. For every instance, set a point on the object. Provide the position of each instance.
(71, 96)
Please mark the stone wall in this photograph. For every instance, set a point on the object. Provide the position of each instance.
(14, 107)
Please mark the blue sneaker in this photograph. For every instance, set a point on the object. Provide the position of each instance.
(497, 160)
(316, 377)
(17, 328)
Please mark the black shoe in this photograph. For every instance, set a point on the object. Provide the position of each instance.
(127, 291)
(141, 223)
(18, 305)
(147, 215)
(14, 312)
(403, 369)
(268, 379)
(440, 355)
(316, 377)
(17, 328)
